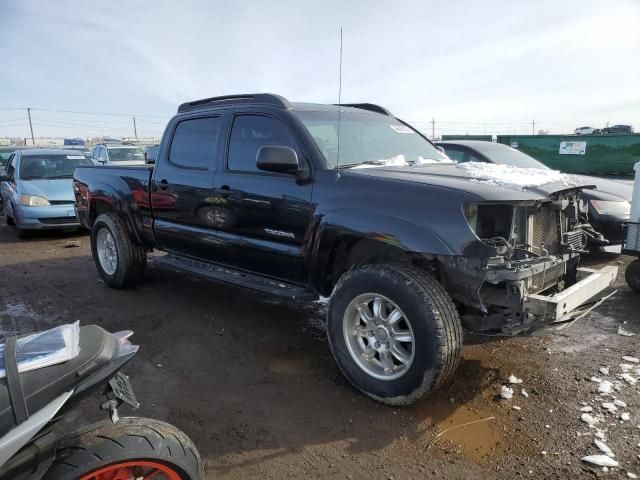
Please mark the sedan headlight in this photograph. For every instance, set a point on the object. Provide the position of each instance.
(33, 201)
(616, 209)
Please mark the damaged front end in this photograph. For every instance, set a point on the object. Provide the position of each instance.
(522, 270)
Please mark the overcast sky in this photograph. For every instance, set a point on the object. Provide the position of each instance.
(562, 63)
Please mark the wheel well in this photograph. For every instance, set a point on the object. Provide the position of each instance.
(353, 252)
(98, 207)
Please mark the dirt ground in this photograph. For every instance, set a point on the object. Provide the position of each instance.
(252, 381)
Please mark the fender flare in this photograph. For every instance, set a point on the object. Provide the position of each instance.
(121, 202)
(398, 232)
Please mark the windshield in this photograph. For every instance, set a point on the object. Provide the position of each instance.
(499, 153)
(368, 140)
(126, 154)
(42, 167)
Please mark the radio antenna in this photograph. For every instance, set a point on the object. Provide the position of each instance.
(339, 108)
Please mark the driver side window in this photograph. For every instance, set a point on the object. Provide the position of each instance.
(248, 134)
(11, 169)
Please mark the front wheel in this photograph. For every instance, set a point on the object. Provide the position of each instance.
(138, 448)
(632, 275)
(394, 332)
(120, 261)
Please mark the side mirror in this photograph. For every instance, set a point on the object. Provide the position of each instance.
(441, 149)
(277, 159)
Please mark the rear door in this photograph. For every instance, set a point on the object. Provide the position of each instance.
(182, 186)
(262, 218)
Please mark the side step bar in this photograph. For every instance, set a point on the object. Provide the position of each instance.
(237, 277)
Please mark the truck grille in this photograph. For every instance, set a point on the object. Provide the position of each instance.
(544, 229)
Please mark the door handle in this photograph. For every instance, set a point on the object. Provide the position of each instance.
(224, 191)
(163, 184)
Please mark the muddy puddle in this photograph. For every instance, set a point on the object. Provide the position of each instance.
(472, 433)
(291, 364)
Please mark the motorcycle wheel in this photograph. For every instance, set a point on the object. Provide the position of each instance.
(139, 448)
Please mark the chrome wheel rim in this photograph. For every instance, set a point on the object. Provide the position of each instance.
(107, 252)
(379, 336)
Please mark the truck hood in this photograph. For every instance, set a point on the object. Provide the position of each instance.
(56, 189)
(490, 182)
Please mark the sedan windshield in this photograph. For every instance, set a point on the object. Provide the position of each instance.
(126, 154)
(368, 140)
(42, 167)
(499, 153)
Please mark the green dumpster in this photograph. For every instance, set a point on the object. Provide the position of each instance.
(604, 154)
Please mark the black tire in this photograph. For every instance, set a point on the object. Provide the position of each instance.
(632, 275)
(432, 317)
(131, 257)
(104, 444)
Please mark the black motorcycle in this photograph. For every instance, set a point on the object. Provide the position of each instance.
(39, 438)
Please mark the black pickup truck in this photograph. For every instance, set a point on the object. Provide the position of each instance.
(347, 202)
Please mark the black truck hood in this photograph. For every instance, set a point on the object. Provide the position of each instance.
(490, 182)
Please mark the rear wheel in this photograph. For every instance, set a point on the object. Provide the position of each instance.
(394, 332)
(134, 448)
(120, 261)
(632, 275)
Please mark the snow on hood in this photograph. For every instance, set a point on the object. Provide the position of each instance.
(401, 161)
(516, 177)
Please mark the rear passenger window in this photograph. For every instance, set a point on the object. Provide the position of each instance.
(194, 143)
(249, 133)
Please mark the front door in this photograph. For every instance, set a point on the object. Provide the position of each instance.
(182, 187)
(263, 217)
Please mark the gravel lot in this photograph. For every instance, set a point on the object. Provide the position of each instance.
(251, 380)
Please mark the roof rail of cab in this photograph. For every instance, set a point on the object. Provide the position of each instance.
(372, 107)
(264, 98)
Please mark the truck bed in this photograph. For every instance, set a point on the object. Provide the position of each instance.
(124, 189)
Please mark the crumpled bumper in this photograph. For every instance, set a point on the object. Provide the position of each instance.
(561, 306)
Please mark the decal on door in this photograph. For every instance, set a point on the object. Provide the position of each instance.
(279, 233)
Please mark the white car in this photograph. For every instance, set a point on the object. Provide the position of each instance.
(585, 130)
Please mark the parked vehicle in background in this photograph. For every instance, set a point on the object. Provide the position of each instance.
(618, 129)
(36, 189)
(606, 208)
(151, 153)
(249, 190)
(586, 130)
(117, 154)
(5, 153)
(43, 437)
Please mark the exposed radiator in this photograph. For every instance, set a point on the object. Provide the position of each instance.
(543, 280)
(544, 229)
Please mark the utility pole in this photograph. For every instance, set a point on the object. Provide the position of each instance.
(533, 127)
(135, 130)
(33, 139)
(433, 128)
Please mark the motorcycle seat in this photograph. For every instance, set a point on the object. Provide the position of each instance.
(43, 385)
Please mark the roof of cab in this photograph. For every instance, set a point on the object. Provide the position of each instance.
(277, 101)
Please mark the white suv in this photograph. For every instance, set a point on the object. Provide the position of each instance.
(108, 154)
(585, 130)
